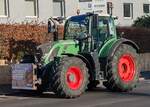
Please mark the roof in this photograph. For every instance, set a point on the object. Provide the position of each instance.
(82, 16)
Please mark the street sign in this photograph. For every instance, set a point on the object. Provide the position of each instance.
(98, 6)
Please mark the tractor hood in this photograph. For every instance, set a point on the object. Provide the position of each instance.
(50, 50)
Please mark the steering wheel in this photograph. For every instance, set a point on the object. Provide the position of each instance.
(82, 37)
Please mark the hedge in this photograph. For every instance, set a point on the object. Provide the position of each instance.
(17, 39)
(139, 35)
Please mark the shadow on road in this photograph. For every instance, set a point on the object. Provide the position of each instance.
(7, 91)
(33, 94)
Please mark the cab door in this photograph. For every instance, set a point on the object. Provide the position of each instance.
(104, 31)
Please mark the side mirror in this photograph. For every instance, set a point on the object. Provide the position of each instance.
(95, 20)
(51, 26)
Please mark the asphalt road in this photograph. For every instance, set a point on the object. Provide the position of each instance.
(100, 97)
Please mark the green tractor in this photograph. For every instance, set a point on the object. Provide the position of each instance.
(90, 53)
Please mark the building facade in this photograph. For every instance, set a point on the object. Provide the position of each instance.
(12, 11)
(29, 10)
(24, 10)
(128, 10)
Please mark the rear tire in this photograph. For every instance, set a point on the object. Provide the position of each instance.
(70, 77)
(123, 69)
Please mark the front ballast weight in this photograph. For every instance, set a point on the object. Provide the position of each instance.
(24, 76)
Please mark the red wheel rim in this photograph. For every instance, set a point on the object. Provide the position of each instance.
(126, 68)
(74, 77)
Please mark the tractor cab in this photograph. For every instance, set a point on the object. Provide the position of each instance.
(90, 29)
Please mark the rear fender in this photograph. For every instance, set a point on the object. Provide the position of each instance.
(109, 49)
(122, 41)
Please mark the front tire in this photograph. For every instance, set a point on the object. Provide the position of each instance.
(70, 77)
(123, 69)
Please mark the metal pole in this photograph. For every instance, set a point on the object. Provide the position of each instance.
(64, 8)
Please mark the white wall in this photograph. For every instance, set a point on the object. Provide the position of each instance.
(17, 11)
(71, 7)
(45, 9)
(137, 10)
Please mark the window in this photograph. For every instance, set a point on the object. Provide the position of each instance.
(128, 10)
(31, 8)
(146, 8)
(109, 7)
(85, 0)
(102, 32)
(3, 8)
(58, 8)
(77, 27)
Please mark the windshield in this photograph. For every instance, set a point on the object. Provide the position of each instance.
(76, 26)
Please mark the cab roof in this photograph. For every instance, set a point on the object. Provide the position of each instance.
(82, 16)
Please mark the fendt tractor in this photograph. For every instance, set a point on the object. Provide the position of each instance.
(89, 54)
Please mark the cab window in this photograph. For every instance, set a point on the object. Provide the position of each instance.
(104, 30)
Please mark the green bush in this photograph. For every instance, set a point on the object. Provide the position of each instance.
(143, 21)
